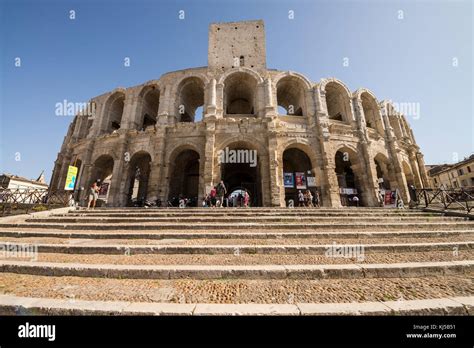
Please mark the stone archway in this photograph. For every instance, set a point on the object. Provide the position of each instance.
(349, 178)
(298, 173)
(240, 168)
(138, 176)
(102, 170)
(184, 177)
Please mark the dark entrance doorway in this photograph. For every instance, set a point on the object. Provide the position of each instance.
(184, 178)
(244, 176)
(298, 174)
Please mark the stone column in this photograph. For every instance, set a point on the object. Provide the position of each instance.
(212, 106)
(368, 174)
(118, 195)
(130, 117)
(269, 104)
(209, 158)
(414, 169)
(277, 191)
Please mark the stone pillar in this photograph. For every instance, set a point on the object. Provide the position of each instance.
(220, 100)
(209, 159)
(422, 168)
(269, 104)
(415, 171)
(118, 195)
(130, 117)
(212, 106)
(367, 174)
(330, 190)
(277, 191)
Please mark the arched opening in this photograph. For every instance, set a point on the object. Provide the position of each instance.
(337, 102)
(349, 184)
(138, 174)
(184, 178)
(114, 112)
(102, 170)
(240, 170)
(297, 174)
(291, 96)
(383, 172)
(190, 100)
(371, 113)
(240, 90)
(151, 104)
(410, 179)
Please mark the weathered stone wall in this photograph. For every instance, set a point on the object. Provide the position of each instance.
(325, 118)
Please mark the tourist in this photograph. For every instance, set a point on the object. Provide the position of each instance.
(221, 191)
(213, 195)
(93, 195)
(316, 199)
(246, 199)
(355, 199)
(309, 199)
(300, 199)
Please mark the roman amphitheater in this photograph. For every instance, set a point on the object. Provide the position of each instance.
(161, 139)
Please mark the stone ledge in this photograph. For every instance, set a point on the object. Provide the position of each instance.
(395, 270)
(15, 305)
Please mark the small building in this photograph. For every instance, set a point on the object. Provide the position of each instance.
(456, 175)
(10, 181)
(17, 189)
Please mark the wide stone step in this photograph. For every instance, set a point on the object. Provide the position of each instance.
(14, 305)
(239, 213)
(271, 271)
(362, 239)
(379, 225)
(121, 249)
(238, 291)
(261, 235)
(233, 219)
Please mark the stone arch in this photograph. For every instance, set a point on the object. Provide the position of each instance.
(240, 93)
(184, 175)
(241, 163)
(350, 173)
(337, 99)
(298, 157)
(291, 94)
(408, 172)
(371, 110)
(137, 177)
(150, 103)
(113, 112)
(383, 170)
(190, 96)
(102, 169)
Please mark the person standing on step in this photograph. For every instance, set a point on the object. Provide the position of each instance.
(316, 199)
(300, 199)
(221, 192)
(93, 195)
(246, 199)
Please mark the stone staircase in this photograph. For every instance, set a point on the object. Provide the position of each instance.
(225, 261)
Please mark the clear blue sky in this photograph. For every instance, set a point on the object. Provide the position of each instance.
(406, 60)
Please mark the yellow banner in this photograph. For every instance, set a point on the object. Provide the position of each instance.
(71, 178)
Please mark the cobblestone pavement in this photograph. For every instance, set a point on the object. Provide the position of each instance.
(250, 259)
(236, 291)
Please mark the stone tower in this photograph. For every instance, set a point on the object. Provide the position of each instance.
(237, 44)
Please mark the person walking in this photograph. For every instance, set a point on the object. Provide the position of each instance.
(213, 195)
(316, 200)
(221, 192)
(309, 199)
(93, 195)
(300, 199)
(356, 200)
(246, 199)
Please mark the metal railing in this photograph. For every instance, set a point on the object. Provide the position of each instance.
(460, 200)
(16, 201)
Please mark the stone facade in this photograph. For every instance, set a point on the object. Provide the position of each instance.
(149, 141)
